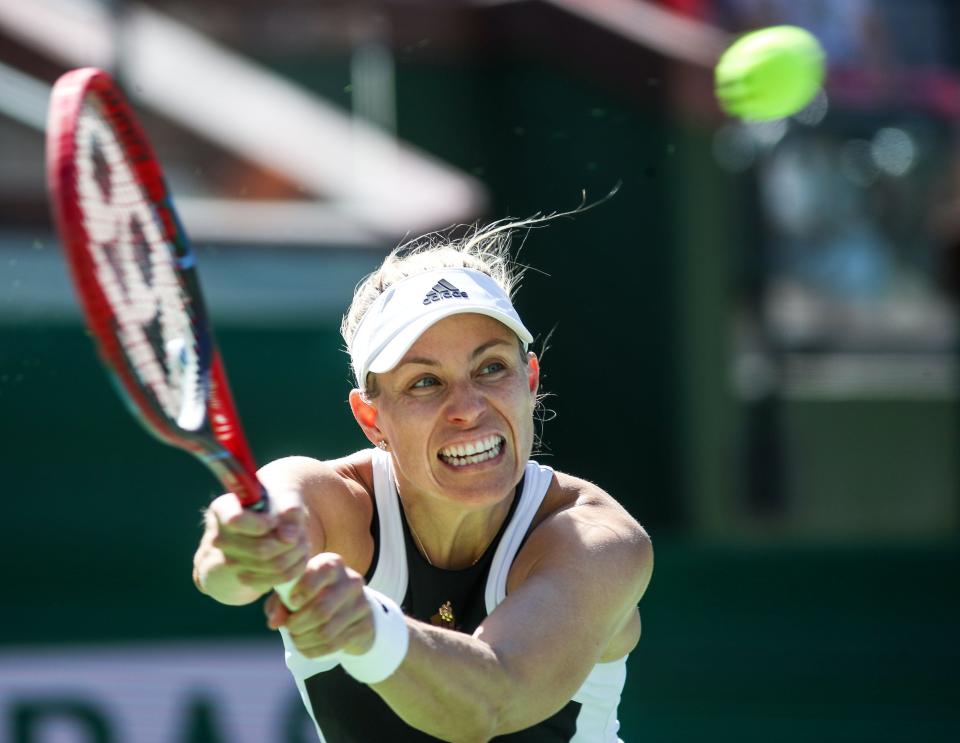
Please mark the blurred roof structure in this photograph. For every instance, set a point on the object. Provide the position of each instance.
(325, 171)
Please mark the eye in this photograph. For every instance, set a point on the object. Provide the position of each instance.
(424, 382)
(493, 367)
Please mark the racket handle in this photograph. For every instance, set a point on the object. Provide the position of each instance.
(281, 500)
(283, 591)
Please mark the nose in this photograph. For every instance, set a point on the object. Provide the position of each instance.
(465, 404)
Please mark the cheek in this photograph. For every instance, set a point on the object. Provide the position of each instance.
(406, 420)
(523, 404)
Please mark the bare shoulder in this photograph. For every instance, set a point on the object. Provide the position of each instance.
(337, 497)
(584, 546)
(348, 477)
(579, 520)
(582, 502)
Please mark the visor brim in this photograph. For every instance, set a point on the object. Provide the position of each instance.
(394, 351)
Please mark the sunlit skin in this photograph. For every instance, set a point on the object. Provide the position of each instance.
(463, 381)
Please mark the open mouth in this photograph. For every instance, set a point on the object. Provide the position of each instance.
(472, 452)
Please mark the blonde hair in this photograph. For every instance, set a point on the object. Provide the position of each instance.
(485, 249)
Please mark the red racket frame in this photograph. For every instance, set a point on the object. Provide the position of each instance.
(220, 443)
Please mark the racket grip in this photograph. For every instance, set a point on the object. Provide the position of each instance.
(277, 502)
(283, 591)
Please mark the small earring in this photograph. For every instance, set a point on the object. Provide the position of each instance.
(382, 445)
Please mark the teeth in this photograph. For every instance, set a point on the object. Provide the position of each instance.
(472, 452)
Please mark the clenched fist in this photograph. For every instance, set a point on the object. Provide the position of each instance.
(243, 554)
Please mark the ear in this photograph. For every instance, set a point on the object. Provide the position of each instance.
(533, 372)
(366, 416)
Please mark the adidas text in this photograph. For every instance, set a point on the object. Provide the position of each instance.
(443, 289)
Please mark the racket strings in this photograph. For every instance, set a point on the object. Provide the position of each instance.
(136, 268)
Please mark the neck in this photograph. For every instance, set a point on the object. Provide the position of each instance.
(450, 536)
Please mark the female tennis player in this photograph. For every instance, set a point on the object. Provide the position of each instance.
(447, 587)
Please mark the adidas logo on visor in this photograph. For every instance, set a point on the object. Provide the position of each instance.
(443, 289)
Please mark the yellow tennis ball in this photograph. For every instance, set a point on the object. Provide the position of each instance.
(770, 73)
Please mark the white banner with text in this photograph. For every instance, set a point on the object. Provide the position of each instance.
(210, 692)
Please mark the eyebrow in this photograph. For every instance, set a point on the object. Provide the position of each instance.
(479, 350)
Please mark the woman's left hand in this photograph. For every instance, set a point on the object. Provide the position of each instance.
(329, 611)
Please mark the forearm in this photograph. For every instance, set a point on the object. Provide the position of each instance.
(514, 672)
(451, 685)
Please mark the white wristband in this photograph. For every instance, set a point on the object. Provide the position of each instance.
(390, 641)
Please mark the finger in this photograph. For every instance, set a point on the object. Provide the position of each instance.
(343, 601)
(289, 570)
(250, 523)
(358, 637)
(293, 563)
(291, 525)
(255, 581)
(233, 517)
(345, 629)
(321, 571)
(326, 631)
(286, 566)
(352, 637)
(249, 549)
(275, 611)
(287, 505)
(270, 603)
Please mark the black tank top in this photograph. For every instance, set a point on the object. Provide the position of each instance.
(350, 712)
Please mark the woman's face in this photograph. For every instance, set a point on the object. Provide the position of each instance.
(457, 411)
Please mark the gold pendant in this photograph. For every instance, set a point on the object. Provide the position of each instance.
(444, 617)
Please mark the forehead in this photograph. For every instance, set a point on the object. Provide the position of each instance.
(457, 333)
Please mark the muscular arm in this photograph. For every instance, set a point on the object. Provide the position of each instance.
(572, 596)
(583, 571)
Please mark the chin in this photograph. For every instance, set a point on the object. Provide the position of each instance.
(485, 482)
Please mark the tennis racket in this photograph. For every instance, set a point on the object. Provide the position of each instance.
(136, 277)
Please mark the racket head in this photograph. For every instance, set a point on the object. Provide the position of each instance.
(134, 272)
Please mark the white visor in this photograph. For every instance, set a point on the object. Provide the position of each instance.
(409, 307)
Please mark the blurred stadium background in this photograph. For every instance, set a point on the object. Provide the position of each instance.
(754, 343)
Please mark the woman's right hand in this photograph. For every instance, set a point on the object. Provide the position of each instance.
(243, 554)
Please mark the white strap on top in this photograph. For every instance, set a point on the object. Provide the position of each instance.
(390, 575)
(536, 481)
